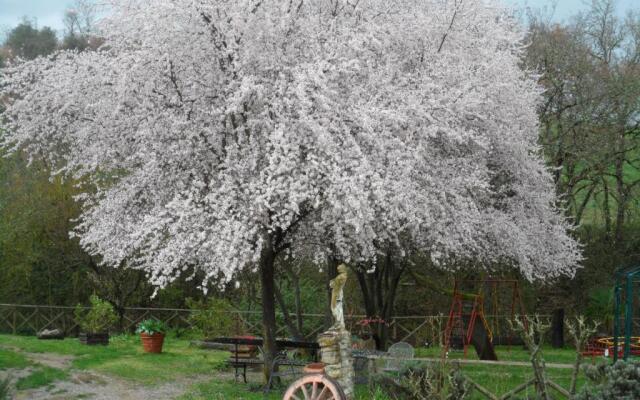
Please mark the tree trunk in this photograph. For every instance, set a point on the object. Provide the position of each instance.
(267, 278)
(298, 301)
(293, 330)
(379, 290)
(606, 209)
(622, 197)
(580, 209)
(557, 329)
(120, 311)
(392, 280)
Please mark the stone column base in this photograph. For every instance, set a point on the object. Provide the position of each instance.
(335, 352)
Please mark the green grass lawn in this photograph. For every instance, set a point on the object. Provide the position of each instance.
(41, 376)
(124, 359)
(505, 353)
(11, 359)
(500, 379)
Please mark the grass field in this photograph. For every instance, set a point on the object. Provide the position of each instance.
(202, 373)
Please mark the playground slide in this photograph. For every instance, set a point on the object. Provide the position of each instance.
(481, 341)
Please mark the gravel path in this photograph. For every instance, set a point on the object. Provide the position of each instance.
(91, 385)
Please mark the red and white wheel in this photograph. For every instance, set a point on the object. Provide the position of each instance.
(314, 387)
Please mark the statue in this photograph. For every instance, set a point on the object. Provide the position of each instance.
(335, 343)
(337, 286)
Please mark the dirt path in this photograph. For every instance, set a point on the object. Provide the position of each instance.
(52, 360)
(94, 386)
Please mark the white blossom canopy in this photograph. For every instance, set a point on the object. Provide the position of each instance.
(208, 127)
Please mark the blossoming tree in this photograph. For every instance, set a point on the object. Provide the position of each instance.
(219, 134)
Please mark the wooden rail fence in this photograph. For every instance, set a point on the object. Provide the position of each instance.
(29, 319)
(486, 393)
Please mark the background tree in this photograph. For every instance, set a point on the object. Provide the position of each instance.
(28, 42)
(589, 127)
(577, 135)
(39, 263)
(79, 22)
(589, 68)
(120, 286)
(295, 140)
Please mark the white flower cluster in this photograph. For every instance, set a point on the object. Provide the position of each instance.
(213, 128)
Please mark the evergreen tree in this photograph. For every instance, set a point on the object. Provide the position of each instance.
(29, 42)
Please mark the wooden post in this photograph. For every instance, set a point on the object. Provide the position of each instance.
(484, 391)
(518, 389)
(559, 389)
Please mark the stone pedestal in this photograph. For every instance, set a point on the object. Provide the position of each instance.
(335, 352)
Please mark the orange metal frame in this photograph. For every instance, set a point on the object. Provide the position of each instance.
(456, 312)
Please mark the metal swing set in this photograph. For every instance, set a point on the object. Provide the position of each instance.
(469, 321)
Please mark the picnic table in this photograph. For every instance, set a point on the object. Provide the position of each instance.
(240, 363)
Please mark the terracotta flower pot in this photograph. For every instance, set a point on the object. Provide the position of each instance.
(314, 368)
(152, 343)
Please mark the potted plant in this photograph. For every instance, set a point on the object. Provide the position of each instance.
(95, 324)
(152, 334)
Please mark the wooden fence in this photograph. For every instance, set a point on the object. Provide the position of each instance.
(29, 319)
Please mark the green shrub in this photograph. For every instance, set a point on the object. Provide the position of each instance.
(423, 382)
(619, 381)
(98, 319)
(5, 388)
(151, 326)
(600, 307)
(211, 318)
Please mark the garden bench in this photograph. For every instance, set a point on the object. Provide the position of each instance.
(240, 358)
(240, 365)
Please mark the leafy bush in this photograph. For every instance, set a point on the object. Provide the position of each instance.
(151, 326)
(98, 319)
(212, 318)
(600, 307)
(5, 388)
(423, 382)
(619, 381)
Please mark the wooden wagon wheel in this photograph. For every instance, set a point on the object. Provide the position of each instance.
(314, 387)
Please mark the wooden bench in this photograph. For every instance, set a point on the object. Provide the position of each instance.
(283, 366)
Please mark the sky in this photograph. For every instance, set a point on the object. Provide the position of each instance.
(50, 12)
(47, 12)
